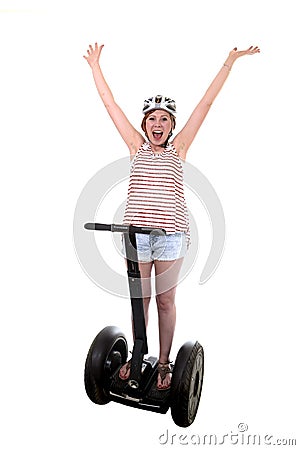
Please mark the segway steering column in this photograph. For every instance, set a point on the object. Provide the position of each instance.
(140, 347)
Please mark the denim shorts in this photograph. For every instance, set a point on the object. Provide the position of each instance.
(169, 247)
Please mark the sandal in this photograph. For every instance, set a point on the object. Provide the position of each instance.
(126, 375)
(163, 369)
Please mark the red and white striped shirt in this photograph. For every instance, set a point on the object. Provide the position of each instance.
(156, 192)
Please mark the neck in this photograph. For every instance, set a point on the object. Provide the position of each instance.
(158, 148)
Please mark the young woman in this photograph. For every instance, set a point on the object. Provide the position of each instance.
(156, 194)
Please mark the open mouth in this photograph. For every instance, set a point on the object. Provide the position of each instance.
(157, 135)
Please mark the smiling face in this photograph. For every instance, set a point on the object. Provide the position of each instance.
(158, 125)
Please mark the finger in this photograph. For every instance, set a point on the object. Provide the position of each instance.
(100, 49)
(254, 50)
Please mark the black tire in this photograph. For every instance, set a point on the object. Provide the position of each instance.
(107, 353)
(186, 384)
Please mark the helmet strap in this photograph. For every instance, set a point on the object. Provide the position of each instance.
(164, 145)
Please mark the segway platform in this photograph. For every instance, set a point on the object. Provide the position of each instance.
(147, 396)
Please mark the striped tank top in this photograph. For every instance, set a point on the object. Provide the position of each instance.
(156, 192)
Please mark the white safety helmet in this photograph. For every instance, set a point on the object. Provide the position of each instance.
(159, 102)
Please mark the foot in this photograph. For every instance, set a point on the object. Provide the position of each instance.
(164, 375)
(124, 372)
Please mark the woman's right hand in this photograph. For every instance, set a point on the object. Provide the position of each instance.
(93, 55)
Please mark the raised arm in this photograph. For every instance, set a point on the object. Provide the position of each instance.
(131, 136)
(186, 136)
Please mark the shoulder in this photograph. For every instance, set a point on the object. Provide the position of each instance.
(179, 148)
(143, 149)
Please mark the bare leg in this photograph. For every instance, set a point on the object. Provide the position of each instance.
(166, 278)
(145, 270)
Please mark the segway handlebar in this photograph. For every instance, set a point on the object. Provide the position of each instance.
(124, 228)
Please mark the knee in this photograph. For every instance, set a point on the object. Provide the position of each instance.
(166, 301)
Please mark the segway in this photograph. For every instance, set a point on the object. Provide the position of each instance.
(109, 351)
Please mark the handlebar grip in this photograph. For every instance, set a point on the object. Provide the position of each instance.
(97, 226)
(124, 228)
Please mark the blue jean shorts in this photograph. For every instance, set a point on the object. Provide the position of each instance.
(169, 247)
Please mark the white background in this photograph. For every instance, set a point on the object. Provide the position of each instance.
(55, 135)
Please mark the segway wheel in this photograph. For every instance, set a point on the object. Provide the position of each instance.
(107, 353)
(186, 386)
